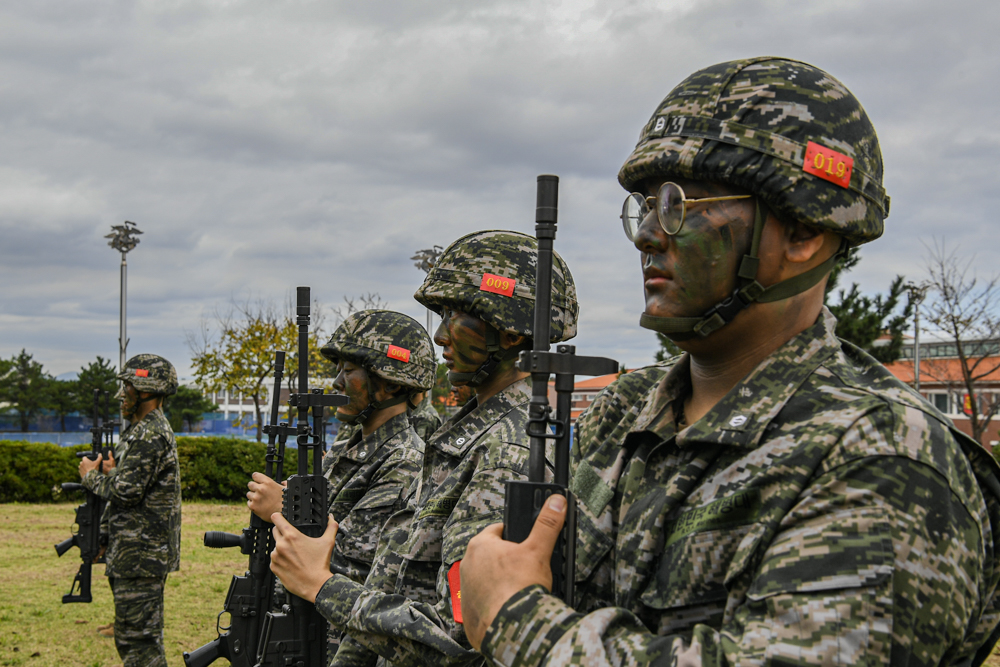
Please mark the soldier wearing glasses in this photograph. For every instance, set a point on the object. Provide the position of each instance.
(773, 495)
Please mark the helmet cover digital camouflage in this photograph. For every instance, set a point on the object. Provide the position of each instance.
(393, 346)
(458, 278)
(150, 373)
(747, 123)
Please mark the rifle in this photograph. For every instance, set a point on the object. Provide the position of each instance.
(250, 596)
(88, 515)
(525, 498)
(297, 634)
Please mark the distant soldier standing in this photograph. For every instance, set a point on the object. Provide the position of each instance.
(142, 523)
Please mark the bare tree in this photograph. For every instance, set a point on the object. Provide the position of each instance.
(964, 308)
(371, 301)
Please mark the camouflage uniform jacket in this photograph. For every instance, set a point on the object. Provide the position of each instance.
(144, 501)
(425, 419)
(368, 478)
(404, 612)
(820, 513)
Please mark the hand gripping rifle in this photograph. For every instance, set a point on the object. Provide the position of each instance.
(88, 515)
(250, 596)
(525, 499)
(296, 636)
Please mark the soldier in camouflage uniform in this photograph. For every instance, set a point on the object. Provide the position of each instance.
(774, 495)
(408, 611)
(424, 419)
(383, 360)
(142, 522)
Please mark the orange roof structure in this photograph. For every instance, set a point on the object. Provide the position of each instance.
(940, 370)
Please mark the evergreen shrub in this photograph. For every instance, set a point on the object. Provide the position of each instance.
(211, 467)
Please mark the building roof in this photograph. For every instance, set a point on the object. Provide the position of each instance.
(599, 382)
(938, 371)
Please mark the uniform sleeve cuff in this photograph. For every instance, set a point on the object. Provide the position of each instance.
(336, 598)
(527, 627)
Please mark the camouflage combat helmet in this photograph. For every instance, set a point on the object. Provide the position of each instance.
(390, 345)
(789, 133)
(150, 373)
(491, 275)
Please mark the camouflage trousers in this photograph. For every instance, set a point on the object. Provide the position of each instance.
(139, 621)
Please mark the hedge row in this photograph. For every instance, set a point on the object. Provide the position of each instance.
(210, 468)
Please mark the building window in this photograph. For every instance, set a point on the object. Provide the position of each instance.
(941, 402)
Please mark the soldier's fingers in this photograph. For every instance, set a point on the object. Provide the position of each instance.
(281, 523)
(491, 532)
(548, 524)
(331, 527)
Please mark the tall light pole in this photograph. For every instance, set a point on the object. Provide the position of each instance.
(917, 293)
(123, 238)
(425, 260)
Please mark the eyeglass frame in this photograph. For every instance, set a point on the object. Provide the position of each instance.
(647, 200)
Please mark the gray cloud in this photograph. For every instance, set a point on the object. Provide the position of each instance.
(264, 145)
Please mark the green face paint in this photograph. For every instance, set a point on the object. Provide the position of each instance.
(129, 397)
(686, 274)
(352, 381)
(462, 338)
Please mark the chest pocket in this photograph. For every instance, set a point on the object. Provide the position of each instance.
(361, 520)
(704, 548)
(426, 534)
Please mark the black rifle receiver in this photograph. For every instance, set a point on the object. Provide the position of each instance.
(297, 634)
(250, 596)
(88, 515)
(525, 499)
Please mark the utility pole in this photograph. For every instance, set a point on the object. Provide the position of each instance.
(917, 293)
(123, 239)
(425, 261)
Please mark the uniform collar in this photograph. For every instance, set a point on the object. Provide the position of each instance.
(743, 414)
(458, 433)
(360, 450)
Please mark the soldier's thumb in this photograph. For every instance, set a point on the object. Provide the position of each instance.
(331, 528)
(550, 520)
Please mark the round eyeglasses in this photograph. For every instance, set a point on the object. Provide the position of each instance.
(671, 206)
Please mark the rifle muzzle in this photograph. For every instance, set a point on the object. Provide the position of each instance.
(72, 486)
(216, 539)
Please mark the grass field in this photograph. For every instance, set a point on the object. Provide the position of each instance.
(37, 630)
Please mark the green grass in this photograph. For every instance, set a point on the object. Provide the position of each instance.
(37, 630)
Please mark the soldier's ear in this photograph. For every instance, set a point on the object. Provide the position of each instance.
(508, 340)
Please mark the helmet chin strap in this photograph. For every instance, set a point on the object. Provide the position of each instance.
(497, 355)
(373, 405)
(722, 313)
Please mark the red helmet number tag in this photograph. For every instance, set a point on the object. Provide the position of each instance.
(398, 353)
(497, 284)
(141, 373)
(828, 164)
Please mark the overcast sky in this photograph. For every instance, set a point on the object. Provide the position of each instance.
(262, 145)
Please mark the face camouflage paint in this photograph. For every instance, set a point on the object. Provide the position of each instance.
(463, 339)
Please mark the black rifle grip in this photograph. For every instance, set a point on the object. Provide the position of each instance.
(523, 503)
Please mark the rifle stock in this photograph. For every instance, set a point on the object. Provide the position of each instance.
(525, 498)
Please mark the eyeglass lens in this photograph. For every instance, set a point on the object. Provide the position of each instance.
(670, 209)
